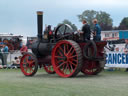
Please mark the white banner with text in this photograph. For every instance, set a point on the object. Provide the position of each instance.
(116, 59)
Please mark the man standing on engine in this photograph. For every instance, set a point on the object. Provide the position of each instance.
(86, 30)
(97, 31)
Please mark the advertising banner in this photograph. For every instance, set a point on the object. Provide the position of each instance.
(116, 59)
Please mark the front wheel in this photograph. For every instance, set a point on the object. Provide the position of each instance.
(29, 64)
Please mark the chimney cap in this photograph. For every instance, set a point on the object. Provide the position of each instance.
(39, 12)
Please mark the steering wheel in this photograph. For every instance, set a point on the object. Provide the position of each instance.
(63, 31)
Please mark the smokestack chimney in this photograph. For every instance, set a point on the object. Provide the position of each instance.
(40, 24)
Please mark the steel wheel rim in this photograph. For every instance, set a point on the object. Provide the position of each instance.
(27, 64)
(64, 59)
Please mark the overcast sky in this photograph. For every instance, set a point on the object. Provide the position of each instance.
(19, 16)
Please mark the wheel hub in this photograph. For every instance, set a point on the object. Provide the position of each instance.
(65, 58)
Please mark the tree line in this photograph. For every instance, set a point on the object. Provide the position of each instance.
(104, 20)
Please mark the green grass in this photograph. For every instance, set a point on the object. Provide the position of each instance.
(14, 83)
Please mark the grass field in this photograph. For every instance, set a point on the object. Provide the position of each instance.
(14, 83)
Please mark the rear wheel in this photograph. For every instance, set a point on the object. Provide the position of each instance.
(67, 58)
(29, 64)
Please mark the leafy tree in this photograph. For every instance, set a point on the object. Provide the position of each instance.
(89, 15)
(124, 24)
(103, 18)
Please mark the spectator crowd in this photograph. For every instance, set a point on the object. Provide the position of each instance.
(4, 51)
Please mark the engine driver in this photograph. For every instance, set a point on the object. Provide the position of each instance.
(86, 30)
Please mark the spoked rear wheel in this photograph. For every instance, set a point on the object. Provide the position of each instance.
(91, 68)
(49, 68)
(67, 58)
(29, 64)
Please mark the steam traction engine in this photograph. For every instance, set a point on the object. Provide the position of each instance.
(63, 52)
